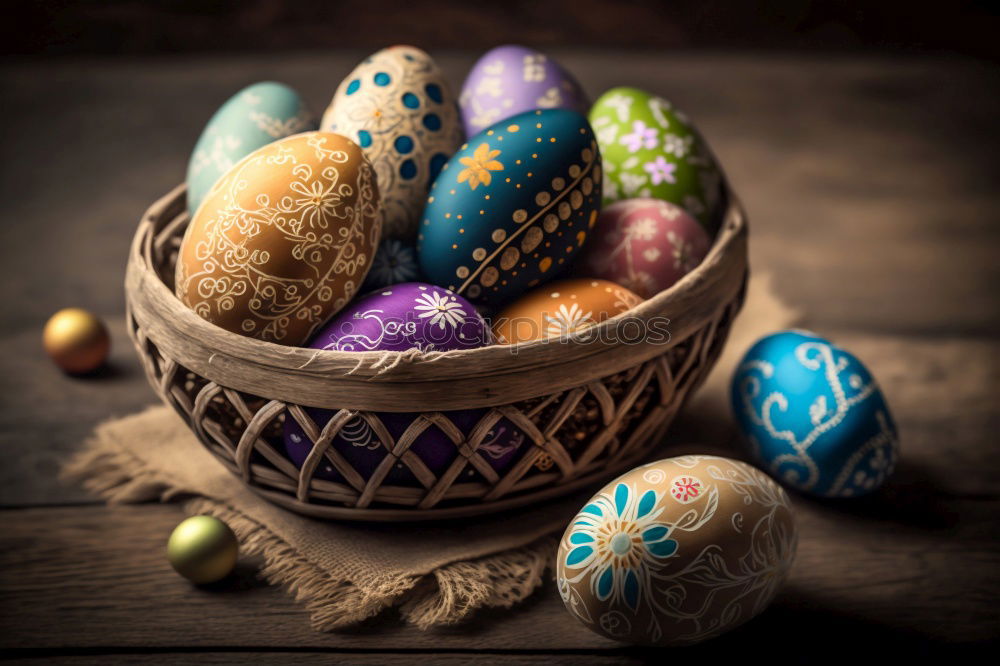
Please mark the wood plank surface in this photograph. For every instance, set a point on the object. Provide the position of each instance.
(340, 657)
(870, 187)
(99, 574)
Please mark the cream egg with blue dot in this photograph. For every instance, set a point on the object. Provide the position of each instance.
(397, 106)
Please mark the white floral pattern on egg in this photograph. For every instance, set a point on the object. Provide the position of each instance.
(250, 119)
(646, 245)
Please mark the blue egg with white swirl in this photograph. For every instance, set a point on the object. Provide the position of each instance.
(814, 416)
(252, 118)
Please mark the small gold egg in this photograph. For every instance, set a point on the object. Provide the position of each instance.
(76, 340)
(203, 549)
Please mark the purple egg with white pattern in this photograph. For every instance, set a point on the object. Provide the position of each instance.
(412, 315)
(512, 79)
(405, 316)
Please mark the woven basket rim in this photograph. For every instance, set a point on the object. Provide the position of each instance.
(460, 379)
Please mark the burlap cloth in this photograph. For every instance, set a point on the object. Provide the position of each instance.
(436, 574)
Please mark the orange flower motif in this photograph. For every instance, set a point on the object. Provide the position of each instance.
(479, 166)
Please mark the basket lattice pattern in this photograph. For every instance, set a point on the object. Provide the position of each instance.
(573, 437)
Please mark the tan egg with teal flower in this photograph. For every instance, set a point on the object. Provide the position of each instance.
(651, 149)
(677, 551)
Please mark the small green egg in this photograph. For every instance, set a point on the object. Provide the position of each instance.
(203, 549)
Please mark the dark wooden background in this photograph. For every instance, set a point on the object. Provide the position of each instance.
(60, 27)
(871, 185)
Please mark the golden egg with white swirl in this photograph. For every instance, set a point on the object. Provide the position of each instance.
(283, 240)
(677, 551)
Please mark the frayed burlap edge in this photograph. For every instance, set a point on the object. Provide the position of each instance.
(117, 476)
(447, 596)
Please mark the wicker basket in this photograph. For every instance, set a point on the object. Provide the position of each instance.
(591, 410)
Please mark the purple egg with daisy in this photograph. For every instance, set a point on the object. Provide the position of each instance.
(401, 317)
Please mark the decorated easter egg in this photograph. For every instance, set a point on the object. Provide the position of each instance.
(401, 317)
(512, 207)
(253, 117)
(644, 244)
(561, 308)
(814, 416)
(677, 551)
(650, 149)
(509, 80)
(283, 240)
(406, 316)
(398, 107)
(395, 262)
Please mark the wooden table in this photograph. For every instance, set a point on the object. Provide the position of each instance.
(871, 187)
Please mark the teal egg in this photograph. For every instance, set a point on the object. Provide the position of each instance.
(252, 118)
(651, 149)
(512, 207)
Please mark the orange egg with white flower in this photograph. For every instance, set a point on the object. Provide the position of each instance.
(561, 309)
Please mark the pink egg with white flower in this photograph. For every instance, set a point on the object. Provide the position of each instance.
(643, 244)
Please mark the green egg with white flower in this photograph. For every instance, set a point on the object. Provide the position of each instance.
(651, 149)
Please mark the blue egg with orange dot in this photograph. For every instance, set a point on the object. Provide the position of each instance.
(512, 207)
